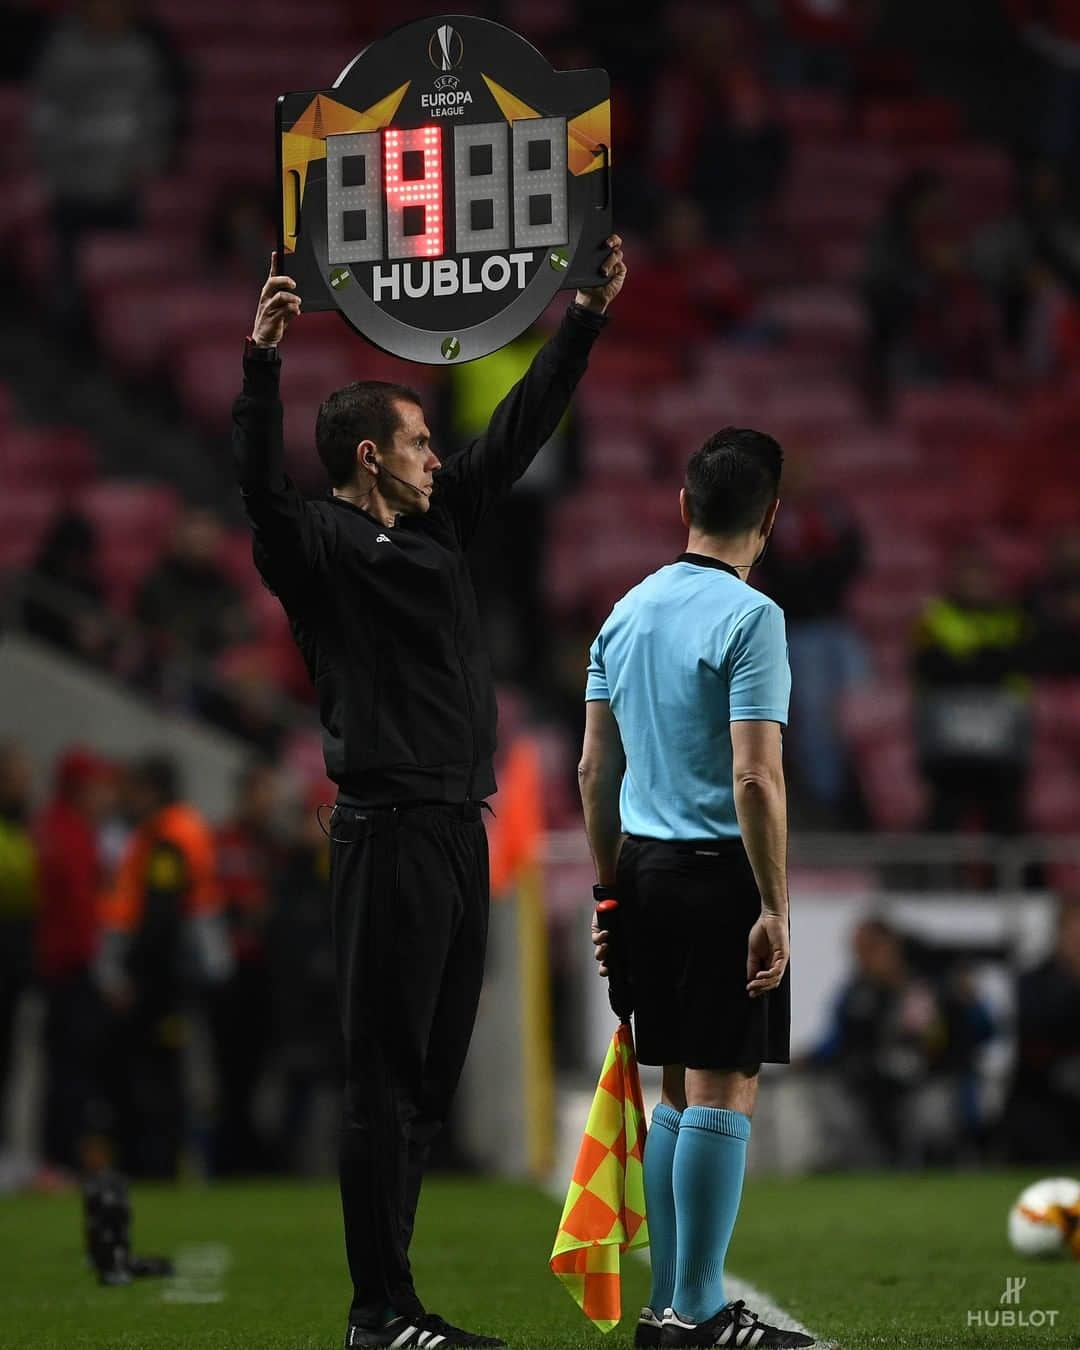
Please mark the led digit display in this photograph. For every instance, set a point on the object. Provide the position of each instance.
(481, 188)
(414, 193)
(539, 182)
(354, 197)
(445, 188)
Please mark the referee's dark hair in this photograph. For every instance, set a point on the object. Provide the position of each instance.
(363, 411)
(733, 480)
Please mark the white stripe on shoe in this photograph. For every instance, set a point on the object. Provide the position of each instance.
(406, 1338)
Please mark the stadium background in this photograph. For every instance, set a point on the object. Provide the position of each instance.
(853, 224)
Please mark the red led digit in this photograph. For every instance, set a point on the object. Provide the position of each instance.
(414, 204)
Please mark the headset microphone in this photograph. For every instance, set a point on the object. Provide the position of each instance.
(420, 490)
(389, 472)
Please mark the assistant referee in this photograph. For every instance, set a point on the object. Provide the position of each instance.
(376, 586)
(685, 809)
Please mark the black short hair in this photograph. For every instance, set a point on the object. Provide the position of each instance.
(733, 480)
(363, 411)
(160, 774)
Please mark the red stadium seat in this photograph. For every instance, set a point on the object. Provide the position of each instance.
(132, 510)
(25, 516)
(895, 795)
(46, 457)
(927, 120)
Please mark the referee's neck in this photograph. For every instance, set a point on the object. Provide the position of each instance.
(738, 551)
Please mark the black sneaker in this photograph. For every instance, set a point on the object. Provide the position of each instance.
(648, 1328)
(733, 1325)
(430, 1331)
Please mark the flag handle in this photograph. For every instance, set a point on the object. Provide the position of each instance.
(609, 918)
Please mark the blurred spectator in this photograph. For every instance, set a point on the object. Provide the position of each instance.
(247, 696)
(1042, 1118)
(163, 944)
(18, 901)
(1054, 606)
(249, 857)
(241, 235)
(903, 1052)
(1052, 30)
(685, 290)
(713, 134)
(187, 603)
(509, 553)
(1030, 263)
(68, 932)
(101, 117)
(824, 38)
(815, 554)
(65, 600)
(877, 1039)
(973, 715)
(306, 1030)
(927, 319)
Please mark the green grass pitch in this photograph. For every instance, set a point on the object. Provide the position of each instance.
(875, 1261)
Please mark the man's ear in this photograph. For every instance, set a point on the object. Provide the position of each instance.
(365, 457)
(770, 518)
(683, 511)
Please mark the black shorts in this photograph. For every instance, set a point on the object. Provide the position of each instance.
(689, 908)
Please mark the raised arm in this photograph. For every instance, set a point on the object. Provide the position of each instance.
(527, 417)
(290, 539)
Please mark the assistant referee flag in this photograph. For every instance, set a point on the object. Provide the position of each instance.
(604, 1214)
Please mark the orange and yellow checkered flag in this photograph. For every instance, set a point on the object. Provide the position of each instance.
(604, 1214)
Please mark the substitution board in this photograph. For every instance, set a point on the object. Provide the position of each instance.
(445, 188)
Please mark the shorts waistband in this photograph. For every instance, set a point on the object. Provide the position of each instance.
(721, 848)
(454, 810)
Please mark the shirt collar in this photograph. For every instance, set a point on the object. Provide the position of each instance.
(703, 560)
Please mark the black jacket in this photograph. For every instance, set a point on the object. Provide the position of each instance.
(386, 618)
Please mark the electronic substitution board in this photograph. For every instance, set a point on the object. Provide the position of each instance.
(445, 188)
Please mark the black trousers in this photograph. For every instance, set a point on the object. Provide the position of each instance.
(409, 896)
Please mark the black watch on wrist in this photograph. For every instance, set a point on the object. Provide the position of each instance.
(252, 351)
(603, 893)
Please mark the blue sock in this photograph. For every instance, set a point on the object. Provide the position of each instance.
(707, 1178)
(660, 1204)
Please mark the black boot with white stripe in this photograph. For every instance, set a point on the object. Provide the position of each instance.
(733, 1325)
(429, 1331)
(648, 1329)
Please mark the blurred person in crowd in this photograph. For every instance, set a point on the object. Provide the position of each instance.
(65, 601)
(249, 854)
(1053, 605)
(101, 116)
(300, 950)
(822, 40)
(815, 555)
(686, 290)
(1042, 1117)
(1030, 262)
(508, 555)
(879, 1040)
(246, 697)
(970, 653)
(187, 603)
(19, 884)
(714, 135)
(240, 234)
(68, 935)
(926, 317)
(163, 944)
(1051, 28)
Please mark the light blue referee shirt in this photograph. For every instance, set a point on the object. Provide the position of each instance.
(686, 652)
